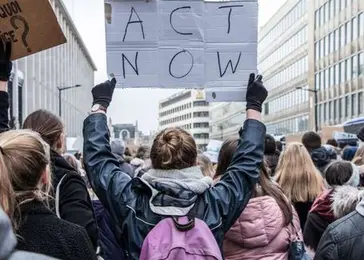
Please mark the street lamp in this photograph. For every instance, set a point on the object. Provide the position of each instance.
(315, 91)
(60, 89)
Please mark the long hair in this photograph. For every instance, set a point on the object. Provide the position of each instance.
(297, 175)
(266, 186)
(24, 158)
(226, 156)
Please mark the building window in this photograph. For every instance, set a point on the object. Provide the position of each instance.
(361, 63)
(342, 72)
(343, 107)
(360, 103)
(353, 104)
(354, 65)
(325, 112)
(354, 24)
(348, 32)
(347, 107)
(337, 39)
(337, 74)
(361, 24)
(348, 69)
(342, 35)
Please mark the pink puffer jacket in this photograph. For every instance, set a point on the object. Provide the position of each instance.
(259, 233)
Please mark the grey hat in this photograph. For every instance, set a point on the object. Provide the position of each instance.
(118, 148)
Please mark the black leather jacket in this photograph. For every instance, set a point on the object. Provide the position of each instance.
(128, 199)
(344, 239)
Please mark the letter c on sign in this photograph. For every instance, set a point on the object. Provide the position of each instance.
(170, 64)
(171, 20)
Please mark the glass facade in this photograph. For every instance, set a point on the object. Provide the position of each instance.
(344, 45)
(283, 60)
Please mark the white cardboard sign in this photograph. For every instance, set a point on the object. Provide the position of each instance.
(183, 44)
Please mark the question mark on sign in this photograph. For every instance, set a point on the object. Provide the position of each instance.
(26, 29)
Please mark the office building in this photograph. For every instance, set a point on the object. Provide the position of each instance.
(188, 110)
(39, 76)
(226, 119)
(283, 61)
(337, 59)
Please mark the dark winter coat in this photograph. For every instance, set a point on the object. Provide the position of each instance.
(344, 239)
(328, 207)
(302, 209)
(41, 231)
(128, 199)
(321, 158)
(74, 202)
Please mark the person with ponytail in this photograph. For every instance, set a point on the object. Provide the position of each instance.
(74, 200)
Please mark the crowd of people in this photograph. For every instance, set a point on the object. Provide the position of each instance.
(259, 201)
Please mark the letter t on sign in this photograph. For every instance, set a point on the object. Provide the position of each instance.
(229, 16)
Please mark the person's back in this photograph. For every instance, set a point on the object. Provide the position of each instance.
(260, 232)
(265, 228)
(344, 239)
(43, 232)
(175, 185)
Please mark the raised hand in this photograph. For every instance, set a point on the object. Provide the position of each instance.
(256, 93)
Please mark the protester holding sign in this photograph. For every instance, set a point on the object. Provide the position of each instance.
(175, 186)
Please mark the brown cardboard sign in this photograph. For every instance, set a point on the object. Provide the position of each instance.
(31, 26)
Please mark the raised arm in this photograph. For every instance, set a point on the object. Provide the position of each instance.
(234, 190)
(110, 184)
(5, 71)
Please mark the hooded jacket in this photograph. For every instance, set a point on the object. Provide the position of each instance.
(129, 200)
(321, 158)
(344, 239)
(260, 233)
(328, 207)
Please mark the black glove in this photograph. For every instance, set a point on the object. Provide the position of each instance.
(361, 135)
(5, 63)
(102, 93)
(256, 93)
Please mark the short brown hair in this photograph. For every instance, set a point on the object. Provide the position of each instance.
(173, 148)
(311, 141)
(48, 125)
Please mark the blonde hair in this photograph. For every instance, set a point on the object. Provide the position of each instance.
(173, 148)
(359, 156)
(297, 175)
(24, 157)
(205, 165)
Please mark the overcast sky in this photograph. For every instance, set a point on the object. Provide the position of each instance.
(130, 105)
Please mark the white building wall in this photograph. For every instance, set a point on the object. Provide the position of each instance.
(62, 66)
(190, 113)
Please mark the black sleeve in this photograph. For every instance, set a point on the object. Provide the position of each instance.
(4, 111)
(76, 207)
(311, 233)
